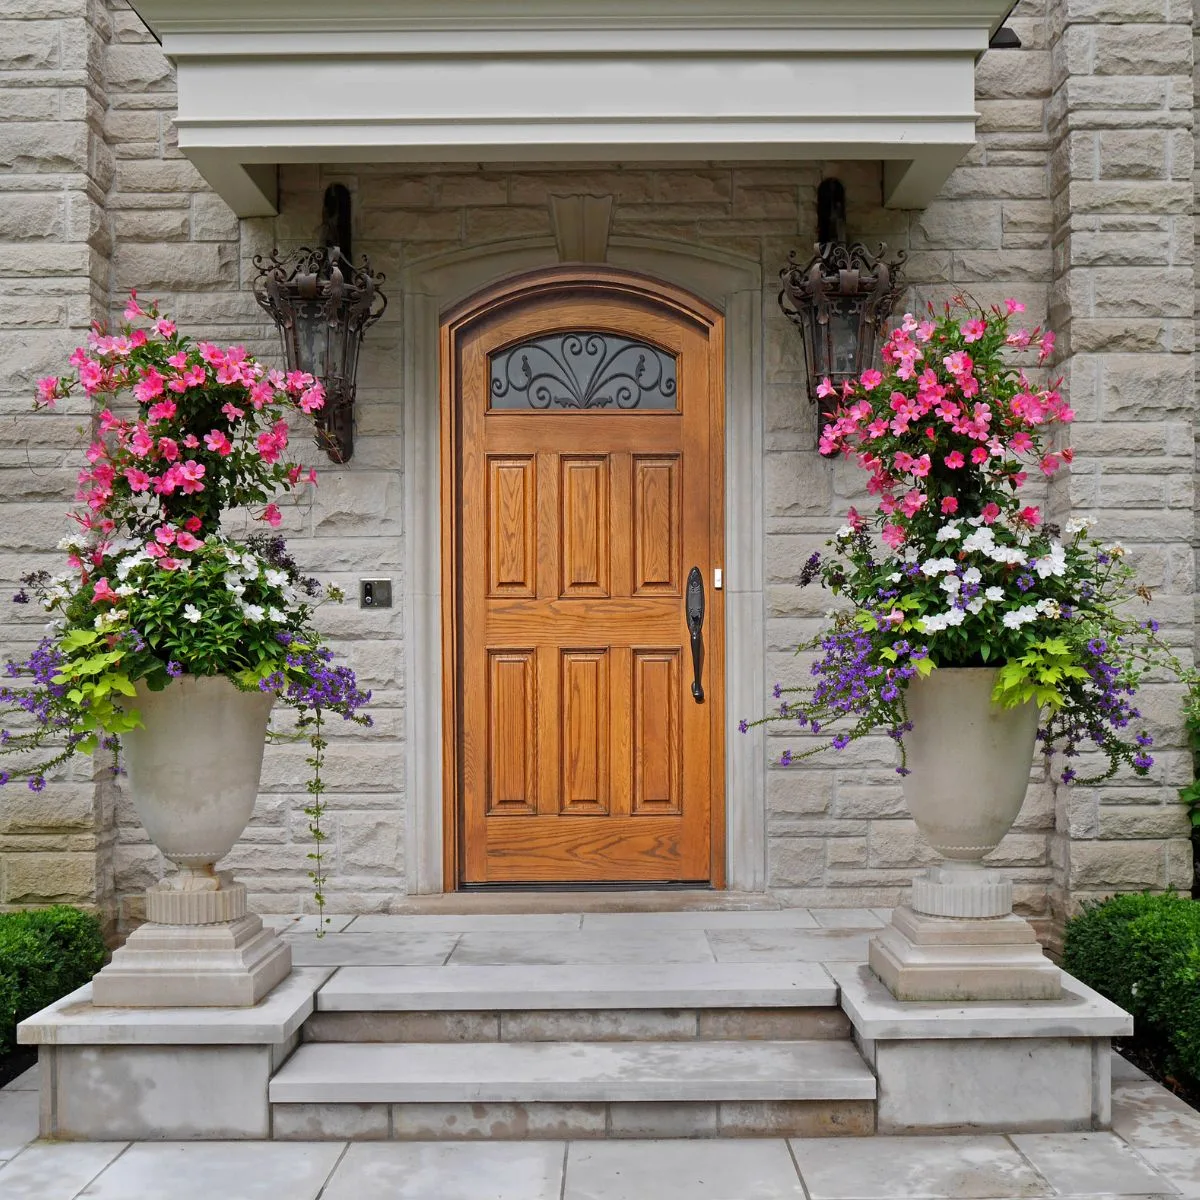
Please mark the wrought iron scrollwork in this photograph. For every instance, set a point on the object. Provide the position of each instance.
(583, 370)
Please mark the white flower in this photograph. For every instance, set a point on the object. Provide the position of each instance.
(948, 533)
(934, 622)
(1020, 616)
(276, 615)
(276, 578)
(994, 594)
(253, 612)
(844, 532)
(1116, 550)
(972, 575)
(191, 613)
(125, 589)
(955, 616)
(1077, 525)
(250, 565)
(951, 584)
(895, 577)
(976, 605)
(1048, 607)
(982, 539)
(1054, 563)
(935, 566)
(1007, 554)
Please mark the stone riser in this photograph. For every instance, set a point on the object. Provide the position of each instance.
(598, 1025)
(506, 1122)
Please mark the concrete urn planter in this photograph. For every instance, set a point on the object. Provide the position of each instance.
(968, 759)
(193, 772)
(194, 769)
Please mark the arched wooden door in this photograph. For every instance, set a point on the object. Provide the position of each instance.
(583, 480)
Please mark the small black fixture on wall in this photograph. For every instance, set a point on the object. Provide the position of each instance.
(322, 304)
(840, 299)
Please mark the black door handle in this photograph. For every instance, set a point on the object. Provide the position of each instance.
(695, 623)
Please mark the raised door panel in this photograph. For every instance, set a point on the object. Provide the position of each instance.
(657, 752)
(584, 699)
(512, 743)
(656, 532)
(512, 526)
(583, 526)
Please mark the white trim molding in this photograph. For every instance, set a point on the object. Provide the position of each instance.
(264, 82)
(734, 285)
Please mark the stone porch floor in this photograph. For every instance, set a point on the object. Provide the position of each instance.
(1153, 1152)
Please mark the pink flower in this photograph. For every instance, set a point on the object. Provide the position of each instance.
(232, 412)
(1020, 442)
(1030, 516)
(1049, 464)
(973, 330)
(959, 363)
(163, 411)
(168, 448)
(103, 592)
(893, 535)
(141, 443)
(921, 466)
(979, 456)
(193, 524)
(825, 388)
(261, 394)
(1019, 338)
(151, 385)
(990, 513)
(272, 515)
(91, 375)
(949, 506)
(190, 475)
(925, 331)
(1014, 306)
(218, 443)
(185, 541)
(954, 460)
(853, 519)
(178, 360)
(313, 399)
(912, 501)
(1047, 346)
(168, 564)
(165, 328)
(192, 442)
(139, 481)
(48, 390)
(109, 422)
(133, 309)
(871, 379)
(164, 535)
(211, 354)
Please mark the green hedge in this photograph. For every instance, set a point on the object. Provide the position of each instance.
(44, 954)
(1143, 951)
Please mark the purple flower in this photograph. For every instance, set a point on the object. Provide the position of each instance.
(1024, 582)
(743, 726)
(3, 778)
(174, 669)
(841, 741)
(36, 783)
(1068, 774)
(1142, 762)
(785, 759)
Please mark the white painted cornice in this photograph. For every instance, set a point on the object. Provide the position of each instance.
(263, 82)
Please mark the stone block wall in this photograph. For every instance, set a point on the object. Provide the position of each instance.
(1077, 199)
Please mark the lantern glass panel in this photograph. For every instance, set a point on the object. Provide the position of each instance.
(843, 338)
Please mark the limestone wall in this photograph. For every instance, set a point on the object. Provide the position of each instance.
(1077, 199)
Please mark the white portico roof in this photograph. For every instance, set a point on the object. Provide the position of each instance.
(264, 82)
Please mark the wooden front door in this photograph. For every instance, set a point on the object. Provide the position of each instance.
(584, 468)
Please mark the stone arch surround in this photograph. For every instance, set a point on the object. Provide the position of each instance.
(734, 285)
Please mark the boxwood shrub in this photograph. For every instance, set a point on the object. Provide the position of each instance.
(1143, 951)
(44, 954)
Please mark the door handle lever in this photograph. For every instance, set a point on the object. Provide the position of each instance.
(695, 624)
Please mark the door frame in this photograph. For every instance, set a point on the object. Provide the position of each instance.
(638, 290)
(730, 282)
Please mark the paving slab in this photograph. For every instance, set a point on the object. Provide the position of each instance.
(1147, 1115)
(847, 918)
(770, 918)
(449, 1171)
(1180, 1167)
(878, 1015)
(915, 1168)
(27, 1081)
(786, 945)
(204, 1170)
(681, 1170)
(1123, 1071)
(635, 946)
(577, 986)
(1078, 1163)
(75, 1021)
(373, 949)
(464, 922)
(56, 1170)
(18, 1122)
(493, 1072)
(306, 923)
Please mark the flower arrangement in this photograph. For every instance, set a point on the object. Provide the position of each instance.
(955, 568)
(154, 588)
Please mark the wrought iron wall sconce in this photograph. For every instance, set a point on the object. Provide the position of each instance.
(322, 304)
(840, 299)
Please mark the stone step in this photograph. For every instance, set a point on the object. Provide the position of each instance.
(569, 1072)
(579, 986)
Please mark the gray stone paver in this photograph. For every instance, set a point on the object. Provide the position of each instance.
(1153, 1151)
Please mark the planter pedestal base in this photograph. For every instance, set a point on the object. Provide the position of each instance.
(921, 957)
(231, 964)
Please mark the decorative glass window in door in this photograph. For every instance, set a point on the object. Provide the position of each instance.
(583, 370)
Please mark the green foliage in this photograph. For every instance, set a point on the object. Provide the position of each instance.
(1038, 675)
(1190, 795)
(1143, 952)
(44, 954)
